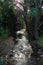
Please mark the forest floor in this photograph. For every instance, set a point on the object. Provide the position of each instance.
(8, 44)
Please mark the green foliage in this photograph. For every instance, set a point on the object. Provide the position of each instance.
(6, 13)
(34, 12)
(40, 41)
(1, 18)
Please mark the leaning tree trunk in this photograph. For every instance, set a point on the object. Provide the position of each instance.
(26, 17)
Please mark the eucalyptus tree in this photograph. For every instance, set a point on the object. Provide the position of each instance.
(32, 8)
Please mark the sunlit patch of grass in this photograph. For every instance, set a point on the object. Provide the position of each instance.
(4, 34)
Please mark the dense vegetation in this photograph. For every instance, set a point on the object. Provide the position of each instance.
(12, 20)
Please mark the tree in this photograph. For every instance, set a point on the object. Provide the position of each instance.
(35, 14)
